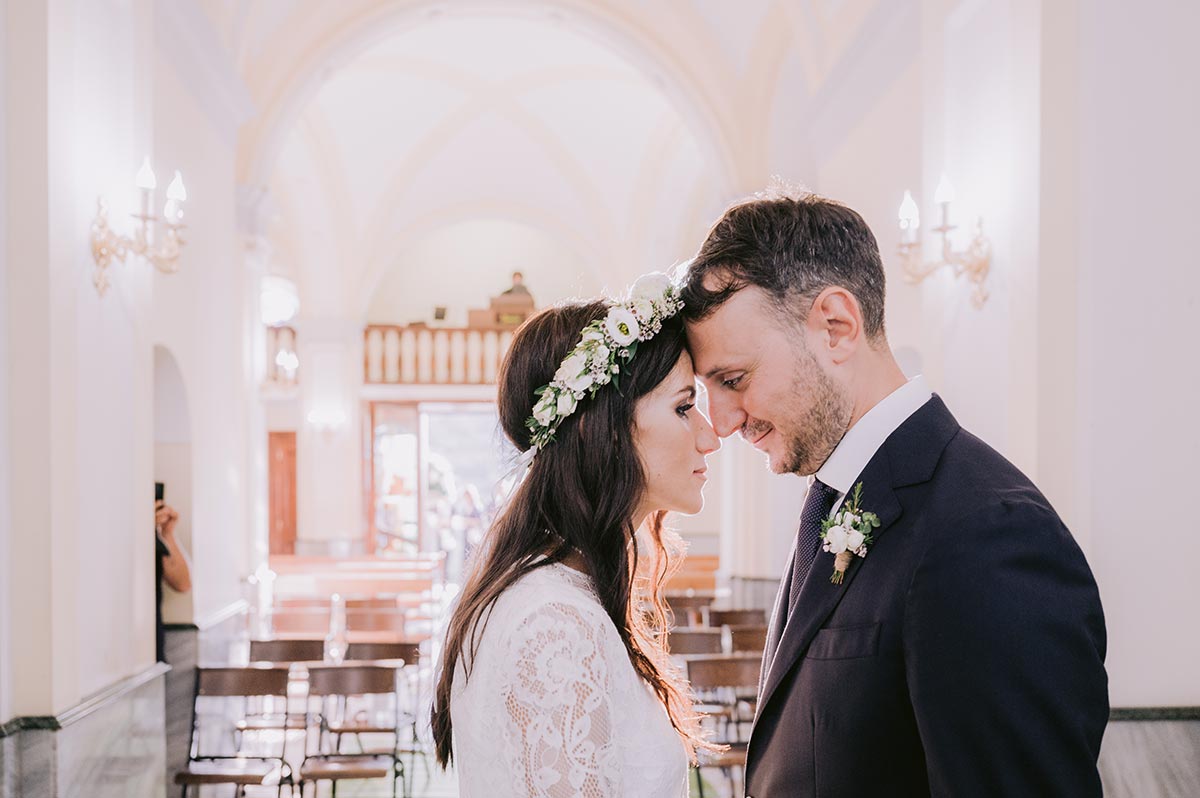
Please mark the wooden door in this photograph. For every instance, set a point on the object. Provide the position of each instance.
(281, 452)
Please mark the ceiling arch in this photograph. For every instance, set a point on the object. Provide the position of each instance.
(291, 66)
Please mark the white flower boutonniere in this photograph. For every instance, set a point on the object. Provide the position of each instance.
(848, 534)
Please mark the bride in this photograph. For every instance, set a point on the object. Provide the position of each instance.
(555, 678)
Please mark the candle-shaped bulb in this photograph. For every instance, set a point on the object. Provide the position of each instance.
(910, 214)
(945, 192)
(145, 177)
(177, 191)
(172, 212)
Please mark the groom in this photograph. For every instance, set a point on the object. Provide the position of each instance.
(963, 655)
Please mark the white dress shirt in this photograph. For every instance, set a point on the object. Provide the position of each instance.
(862, 441)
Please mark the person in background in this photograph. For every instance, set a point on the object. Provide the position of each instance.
(518, 286)
(170, 566)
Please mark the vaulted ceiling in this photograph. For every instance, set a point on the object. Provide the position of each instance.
(614, 130)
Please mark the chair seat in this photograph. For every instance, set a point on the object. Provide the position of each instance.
(346, 767)
(270, 722)
(230, 771)
(362, 727)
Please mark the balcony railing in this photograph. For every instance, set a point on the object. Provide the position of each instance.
(420, 355)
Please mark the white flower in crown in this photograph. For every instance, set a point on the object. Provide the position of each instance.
(544, 410)
(574, 365)
(622, 326)
(653, 286)
(643, 309)
(566, 404)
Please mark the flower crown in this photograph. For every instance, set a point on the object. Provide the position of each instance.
(596, 359)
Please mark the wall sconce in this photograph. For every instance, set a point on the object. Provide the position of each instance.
(975, 261)
(164, 254)
(289, 362)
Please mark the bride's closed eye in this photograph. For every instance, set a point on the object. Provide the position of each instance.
(682, 410)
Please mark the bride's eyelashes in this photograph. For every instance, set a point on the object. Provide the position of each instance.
(682, 410)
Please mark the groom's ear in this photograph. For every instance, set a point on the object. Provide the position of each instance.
(836, 322)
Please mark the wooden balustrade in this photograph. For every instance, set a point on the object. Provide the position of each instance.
(417, 354)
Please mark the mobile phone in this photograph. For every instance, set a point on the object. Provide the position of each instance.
(159, 492)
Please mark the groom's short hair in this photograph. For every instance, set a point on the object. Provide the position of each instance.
(793, 248)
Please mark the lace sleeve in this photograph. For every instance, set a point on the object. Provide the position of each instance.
(557, 719)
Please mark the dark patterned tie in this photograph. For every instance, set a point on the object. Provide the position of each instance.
(817, 505)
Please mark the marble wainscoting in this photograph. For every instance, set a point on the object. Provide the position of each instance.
(108, 746)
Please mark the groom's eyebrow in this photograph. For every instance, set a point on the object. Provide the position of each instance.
(714, 372)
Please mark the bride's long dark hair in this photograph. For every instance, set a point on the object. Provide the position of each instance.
(580, 494)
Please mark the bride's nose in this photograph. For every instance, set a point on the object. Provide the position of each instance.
(707, 441)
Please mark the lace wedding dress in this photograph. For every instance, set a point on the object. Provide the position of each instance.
(554, 709)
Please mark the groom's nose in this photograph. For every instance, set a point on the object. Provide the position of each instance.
(725, 412)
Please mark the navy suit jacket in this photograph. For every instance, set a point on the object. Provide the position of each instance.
(963, 656)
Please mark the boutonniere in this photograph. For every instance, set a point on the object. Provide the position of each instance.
(848, 534)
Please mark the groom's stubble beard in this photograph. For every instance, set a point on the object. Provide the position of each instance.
(813, 432)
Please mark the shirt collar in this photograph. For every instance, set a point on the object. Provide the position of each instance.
(862, 441)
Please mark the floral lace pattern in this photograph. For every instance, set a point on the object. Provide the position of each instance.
(554, 709)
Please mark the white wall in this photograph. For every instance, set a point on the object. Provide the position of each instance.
(85, 97)
(1139, 119)
(202, 314)
(1062, 124)
(5, 527)
(461, 266)
(85, 581)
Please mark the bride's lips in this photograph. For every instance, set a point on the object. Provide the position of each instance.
(702, 473)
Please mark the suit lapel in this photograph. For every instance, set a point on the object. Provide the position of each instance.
(908, 457)
(819, 597)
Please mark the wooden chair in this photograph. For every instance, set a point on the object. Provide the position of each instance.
(303, 622)
(375, 619)
(688, 609)
(283, 652)
(748, 639)
(410, 653)
(695, 641)
(334, 687)
(287, 650)
(235, 768)
(719, 618)
(724, 676)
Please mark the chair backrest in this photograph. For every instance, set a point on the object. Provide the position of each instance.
(682, 601)
(347, 680)
(718, 618)
(287, 650)
(409, 652)
(300, 621)
(710, 671)
(376, 620)
(300, 603)
(252, 681)
(748, 639)
(374, 603)
(695, 641)
(234, 686)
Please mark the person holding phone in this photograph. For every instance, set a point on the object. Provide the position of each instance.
(170, 564)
